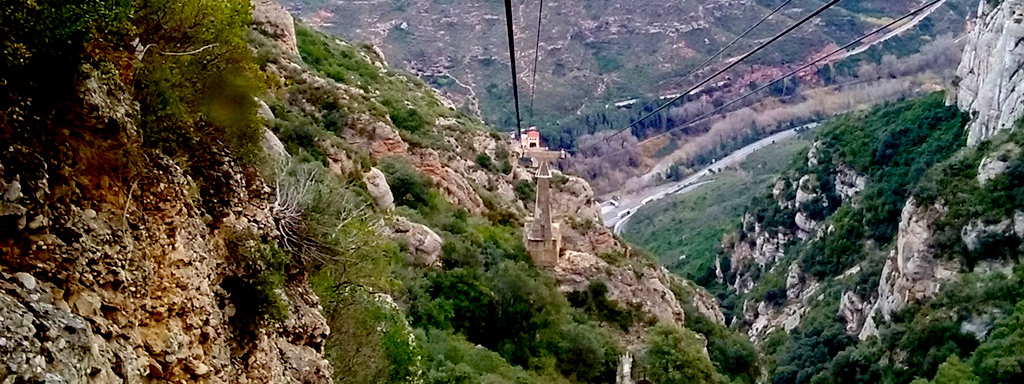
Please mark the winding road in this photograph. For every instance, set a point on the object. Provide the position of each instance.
(616, 214)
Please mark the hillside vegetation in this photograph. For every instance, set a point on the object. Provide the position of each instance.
(203, 191)
(684, 232)
(817, 290)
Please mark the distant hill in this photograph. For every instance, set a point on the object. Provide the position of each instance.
(594, 52)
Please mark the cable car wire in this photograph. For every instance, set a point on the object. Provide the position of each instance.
(536, 55)
(512, 60)
(795, 71)
(745, 56)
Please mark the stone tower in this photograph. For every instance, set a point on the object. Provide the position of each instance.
(543, 238)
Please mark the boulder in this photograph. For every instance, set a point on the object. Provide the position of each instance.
(424, 245)
(274, 21)
(975, 233)
(273, 146)
(996, 163)
(377, 186)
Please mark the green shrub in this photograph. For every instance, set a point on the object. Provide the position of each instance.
(674, 356)
(731, 352)
(452, 359)
(594, 301)
(187, 99)
(256, 289)
(525, 191)
(409, 187)
(405, 118)
(485, 162)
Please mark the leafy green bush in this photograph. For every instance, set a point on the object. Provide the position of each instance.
(256, 289)
(810, 348)
(839, 250)
(731, 352)
(594, 300)
(673, 356)
(525, 191)
(452, 359)
(1000, 358)
(410, 188)
(485, 161)
(208, 91)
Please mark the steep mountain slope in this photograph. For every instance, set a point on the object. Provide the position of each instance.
(596, 52)
(890, 252)
(237, 198)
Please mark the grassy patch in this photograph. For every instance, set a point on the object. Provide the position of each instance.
(692, 224)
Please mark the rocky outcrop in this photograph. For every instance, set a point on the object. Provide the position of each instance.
(136, 282)
(424, 245)
(699, 299)
(990, 72)
(574, 205)
(274, 21)
(997, 162)
(975, 233)
(913, 272)
(757, 250)
(377, 186)
(848, 182)
(273, 147)
(762, 318)
(853, 311)
(453, 186)
(807, 192)
(644, 287)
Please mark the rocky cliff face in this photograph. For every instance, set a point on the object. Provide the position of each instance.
(990, 72)
(759, 249)
(643, 287)
(111, 279)
(912, 273)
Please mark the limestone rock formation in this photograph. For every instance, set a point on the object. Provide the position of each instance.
(273, 147)
(424, 245)
(996, 163)
(990, 70)
(853, 311)
(763, 317)
(573, 205)
(757, 250)
(848, 182)
(139, 286)
(453, 186)
(807, 192)
(377, 186)
(646, 287)
(912, 273)
(700, 299)
(977, 231)
(275, 21)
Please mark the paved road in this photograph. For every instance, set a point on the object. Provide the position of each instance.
(616, 216)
